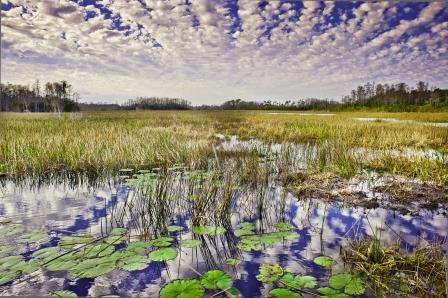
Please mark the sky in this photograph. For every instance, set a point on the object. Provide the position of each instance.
(212, 51)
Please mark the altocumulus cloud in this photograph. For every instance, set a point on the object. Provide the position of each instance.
(209, 51)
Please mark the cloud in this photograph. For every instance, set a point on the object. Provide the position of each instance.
(210, 51)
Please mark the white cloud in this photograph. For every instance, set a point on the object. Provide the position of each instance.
(203, 52)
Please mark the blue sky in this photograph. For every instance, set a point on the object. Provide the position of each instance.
(211, 51)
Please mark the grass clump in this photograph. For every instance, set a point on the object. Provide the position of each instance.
(391, 270)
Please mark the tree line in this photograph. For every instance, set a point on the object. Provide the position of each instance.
(59, 96)
(51, 97)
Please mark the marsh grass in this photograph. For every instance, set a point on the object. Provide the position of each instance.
(99, 144)
(392, 270)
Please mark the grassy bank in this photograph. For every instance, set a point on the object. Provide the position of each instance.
(41, 144)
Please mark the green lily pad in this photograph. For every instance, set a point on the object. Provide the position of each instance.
(353, 285)
(115, 239)
(7, 249)
(174, 228)
(64, 293)
(75, 240)
(163, 254)
(208, 230)
(7, 276)
(270, 239)
(119, 231)
(33, 236)
(216, 279)
(246, 226)
(162, 241)
(327, 292)
(233, 262)
(182, 288)
(138, 247)
(10, 230)
(298, 281)
(270, 273)
(93, 267)
(324, 261)
(97, 251)
(284, 293)
(233, 293)
(283, 226)
(190, 243)
(62, 262)
(7, 263)
(46, 253)
(132, 263)
(243, 232)
(249, 244)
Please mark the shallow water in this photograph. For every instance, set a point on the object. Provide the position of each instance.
(321, 227)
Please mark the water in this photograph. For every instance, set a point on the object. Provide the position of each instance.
(321, 226)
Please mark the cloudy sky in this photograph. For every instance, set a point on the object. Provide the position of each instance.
(211, 51)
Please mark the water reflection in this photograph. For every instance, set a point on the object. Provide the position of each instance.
(321, 227)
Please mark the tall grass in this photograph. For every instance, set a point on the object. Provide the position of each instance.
(103, 142)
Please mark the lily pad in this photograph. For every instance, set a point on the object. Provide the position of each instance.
(233, 262)
(63, 262)
(283, 226)
(298, 281)
(8, 263)
(190, 243)
(138, 247)
(270, 273)
(119, 231)
(33, 236)
(208, 230)
(182, 288)
(163, 254)
(7, 249)
(10, 230)
(115, 239)
(161, 241)
(7, 276)
(327, 292)
(249, 244)
(97, 251)
(174, 228)
(353, 285)
(93, 267)
(246, 226)
(243, 232)
(324, 261)
(64, 293)
(284, 293)
(132, 263)
(216, 279)
(46, 253)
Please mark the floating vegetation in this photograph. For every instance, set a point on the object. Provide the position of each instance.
(216, 279)
(292, 285)
(208, 230)
(11, 230)
(324, 261)
(233, 262)
(191, 243)
(190, 288)
(163, 254)
(161, 241)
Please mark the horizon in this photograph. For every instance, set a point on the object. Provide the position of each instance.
(212, 51)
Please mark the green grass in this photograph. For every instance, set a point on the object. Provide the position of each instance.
(104, 142)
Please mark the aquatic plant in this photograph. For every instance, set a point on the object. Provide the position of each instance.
(324, 261)
(352, 285)
(191, 243)
(216, 279)
(182, 288)
(163, 254)
(270, 273)
(283, 293)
